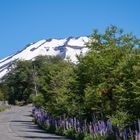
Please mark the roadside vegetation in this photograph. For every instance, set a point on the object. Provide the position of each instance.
(3, 108)
(3, 104)
(98, 98)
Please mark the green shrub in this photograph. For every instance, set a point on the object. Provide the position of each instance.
(2, 108)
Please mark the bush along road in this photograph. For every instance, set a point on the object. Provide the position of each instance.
(75, 129)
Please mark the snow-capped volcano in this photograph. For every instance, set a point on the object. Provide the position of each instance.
(67, 48)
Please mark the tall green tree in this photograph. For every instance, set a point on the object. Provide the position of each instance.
(108, 74)
(18, 81)
(55, 81)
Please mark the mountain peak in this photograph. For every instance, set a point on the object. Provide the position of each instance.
(67, 48)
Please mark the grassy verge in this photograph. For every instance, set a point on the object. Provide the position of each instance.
(2, 108)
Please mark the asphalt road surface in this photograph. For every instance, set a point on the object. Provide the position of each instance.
(16, 124)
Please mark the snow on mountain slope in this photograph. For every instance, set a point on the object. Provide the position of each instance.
(67, 48)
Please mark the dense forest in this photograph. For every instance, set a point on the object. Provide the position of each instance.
(104, 85)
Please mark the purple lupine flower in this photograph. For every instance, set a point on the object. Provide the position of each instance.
(124, 135)
(47, 122)
(117, 134)
(56, 124)
(109, 126)
(79, 129)
(136, 135)
(90, 128)
(63, 124)
(74, 122)
(102, 127)
(95, 128)
(67, 124)
(33, 110)
(77, 124)
(99, 127)
(128, 131)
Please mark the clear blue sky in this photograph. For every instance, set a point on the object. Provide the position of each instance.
(26, 21)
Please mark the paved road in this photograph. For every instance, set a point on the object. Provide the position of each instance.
(16, 124)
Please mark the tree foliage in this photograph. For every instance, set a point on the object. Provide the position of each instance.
(18, 82)
(106, 80)
(109, 74)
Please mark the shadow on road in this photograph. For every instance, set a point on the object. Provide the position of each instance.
(20, 121)
(34, 131)
(39, 137)
(26, 129)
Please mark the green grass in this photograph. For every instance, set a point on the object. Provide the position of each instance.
(2, 108)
